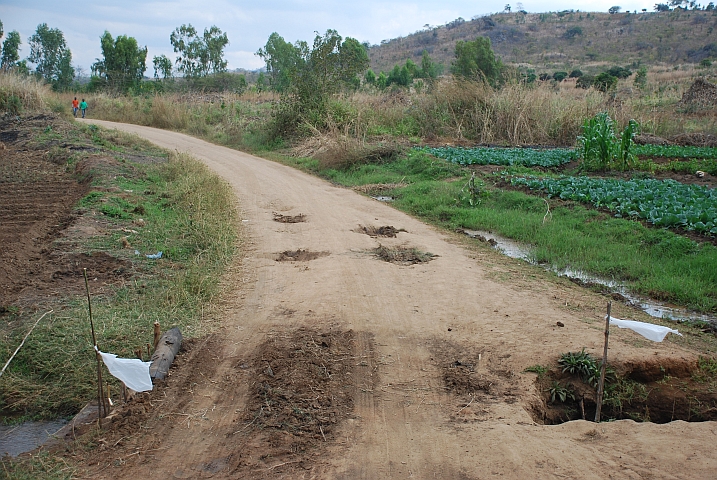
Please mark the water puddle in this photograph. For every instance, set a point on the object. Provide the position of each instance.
(653, 308)
(17, 439)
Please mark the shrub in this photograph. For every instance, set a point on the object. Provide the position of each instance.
(576, 73)
(585, 82)
(560, 76)
(605, 82)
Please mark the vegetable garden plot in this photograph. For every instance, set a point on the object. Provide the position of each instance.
(674, 151)
(528, 157)
(664, 203)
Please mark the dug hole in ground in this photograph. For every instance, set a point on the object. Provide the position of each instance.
(333, 363)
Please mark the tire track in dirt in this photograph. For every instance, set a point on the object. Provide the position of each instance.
(422, 319)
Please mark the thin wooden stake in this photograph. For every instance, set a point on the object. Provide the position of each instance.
(100, 403)
(601, 383)
(157, 334)
(149, 351)
(23, 342)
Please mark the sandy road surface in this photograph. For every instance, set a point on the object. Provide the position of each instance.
(405, 423)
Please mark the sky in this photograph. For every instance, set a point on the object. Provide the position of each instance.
(248, 24)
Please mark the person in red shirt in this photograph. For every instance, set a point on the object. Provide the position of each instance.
(75, 106)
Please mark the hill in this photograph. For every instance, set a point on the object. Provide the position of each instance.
(565, 40)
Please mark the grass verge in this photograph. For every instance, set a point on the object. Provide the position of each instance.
(171, 204)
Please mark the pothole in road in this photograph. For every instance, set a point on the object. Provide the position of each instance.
(299, 255)
(402, 255)
(386, 231)
(289, 218)
(651, 391)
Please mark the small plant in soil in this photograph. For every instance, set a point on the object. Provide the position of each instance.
(560, 392)
(541, 370)
(585, 366)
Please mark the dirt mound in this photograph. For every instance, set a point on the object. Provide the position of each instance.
(385, 231)
(649, 139)
(299, 255)
(695, 140)
(289, 218)
(402, 255)
(701, 94)
(301, 391)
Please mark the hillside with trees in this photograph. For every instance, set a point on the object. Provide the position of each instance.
(565, 40)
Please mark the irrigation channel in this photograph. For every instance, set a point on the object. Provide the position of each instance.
(651, 307)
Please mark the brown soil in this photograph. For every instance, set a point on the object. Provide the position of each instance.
(289, 218)
(385, 231)
(442, 391)
(402, 255)
(37, 196)
(299, 255)
(700, 94)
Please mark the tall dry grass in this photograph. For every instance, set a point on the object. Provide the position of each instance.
(22, 91)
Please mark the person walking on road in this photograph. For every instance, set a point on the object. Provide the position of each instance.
(83, 107)
(75, 106)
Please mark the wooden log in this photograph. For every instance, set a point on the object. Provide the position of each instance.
(163, 357)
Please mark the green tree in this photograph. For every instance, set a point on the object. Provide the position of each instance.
(162, 66)
(641, 78)
(560, 76)
(10, 50)
(475, 60)
(261, 82)
(370, 77)
(282, 60)
(328, 67)
(199, 56)
(575, 73)
(53, 60)
(429, 69)
(614, 10)
(124, 62)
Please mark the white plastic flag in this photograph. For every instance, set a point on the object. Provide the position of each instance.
(132, 371)
(656, 333)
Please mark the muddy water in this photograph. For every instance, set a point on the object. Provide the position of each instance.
(17, 439)
(651, 307)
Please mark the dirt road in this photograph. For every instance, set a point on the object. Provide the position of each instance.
(434, 371)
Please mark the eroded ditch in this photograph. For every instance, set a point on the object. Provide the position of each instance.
(649, 391)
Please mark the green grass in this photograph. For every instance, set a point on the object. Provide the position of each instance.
(189, 214)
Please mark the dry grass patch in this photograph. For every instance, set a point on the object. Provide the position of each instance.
(299, 255)
(289, 218)
(385, 231)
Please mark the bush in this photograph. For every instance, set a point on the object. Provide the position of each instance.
(619, 72)
(605, 82)
(560, 76)
(585, 82)
(576, 73)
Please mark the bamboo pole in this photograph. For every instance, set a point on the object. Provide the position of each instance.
(601, 383)
(100, 402)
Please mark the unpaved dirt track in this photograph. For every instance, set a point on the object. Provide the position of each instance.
(415, 318)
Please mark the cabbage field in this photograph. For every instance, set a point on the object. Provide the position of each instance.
(664, 203)
(527, 157)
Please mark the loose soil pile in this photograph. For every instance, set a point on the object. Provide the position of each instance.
(402, 255)
(386, 231)
(289, 218)
(299, 255)
(701, 94)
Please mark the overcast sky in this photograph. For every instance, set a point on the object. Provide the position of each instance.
(249, 24)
